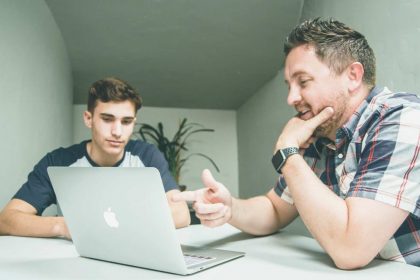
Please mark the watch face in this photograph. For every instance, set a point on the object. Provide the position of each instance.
(278, 160)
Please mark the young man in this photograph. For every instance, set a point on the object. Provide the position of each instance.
(348, 161)
(111, 116)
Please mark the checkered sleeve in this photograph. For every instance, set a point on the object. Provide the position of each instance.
(282, 190)
(389, 166)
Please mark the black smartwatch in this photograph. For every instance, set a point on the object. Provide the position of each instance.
(281, 156)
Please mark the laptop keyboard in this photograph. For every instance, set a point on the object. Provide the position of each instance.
(195, 259)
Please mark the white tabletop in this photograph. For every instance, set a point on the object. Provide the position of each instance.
(272, 257)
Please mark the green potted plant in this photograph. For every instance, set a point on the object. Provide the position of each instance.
(175, 149)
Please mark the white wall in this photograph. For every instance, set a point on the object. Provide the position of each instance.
(220, 145)
(36, 90)
(260, 121)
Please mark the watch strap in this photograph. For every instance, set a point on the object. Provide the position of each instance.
(290, 151)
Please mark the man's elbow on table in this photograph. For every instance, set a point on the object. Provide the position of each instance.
(351, 259)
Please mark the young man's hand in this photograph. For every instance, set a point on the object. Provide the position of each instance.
(60, 228)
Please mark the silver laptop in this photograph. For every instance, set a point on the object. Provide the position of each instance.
(122, 215)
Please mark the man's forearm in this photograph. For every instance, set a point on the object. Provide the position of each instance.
(352, 231)
(15, 222)
(256, 215)
(324, 213)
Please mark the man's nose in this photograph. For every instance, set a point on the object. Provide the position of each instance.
(117, 129)
(294, 97)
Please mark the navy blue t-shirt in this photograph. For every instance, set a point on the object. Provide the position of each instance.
(38, 190)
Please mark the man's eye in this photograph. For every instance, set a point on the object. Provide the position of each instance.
(127, 122)
(303, 83)
(107, 119)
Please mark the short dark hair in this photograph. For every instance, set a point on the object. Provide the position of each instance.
(335, 44)
(112, 89)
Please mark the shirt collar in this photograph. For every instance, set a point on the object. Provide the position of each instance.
(93, 163)
(348, 129)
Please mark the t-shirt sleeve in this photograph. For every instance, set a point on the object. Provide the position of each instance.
(389, 167)
(156, 159)
(37, 190)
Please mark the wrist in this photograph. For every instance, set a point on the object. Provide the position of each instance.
(283, 144)
(232, 210)
(281, 155)
(59, 227)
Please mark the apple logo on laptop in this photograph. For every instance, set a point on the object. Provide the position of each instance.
(111, 218)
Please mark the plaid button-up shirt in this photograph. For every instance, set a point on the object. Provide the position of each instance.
(376, 156)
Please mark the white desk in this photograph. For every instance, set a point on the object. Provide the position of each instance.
(273, 257)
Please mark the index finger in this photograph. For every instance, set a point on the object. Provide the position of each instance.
(321, 117)
(185, 196)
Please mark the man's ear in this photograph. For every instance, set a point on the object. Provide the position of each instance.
(355, 72)
(87, 118)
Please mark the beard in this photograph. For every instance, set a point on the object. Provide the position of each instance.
(325, 129)
(329, 127)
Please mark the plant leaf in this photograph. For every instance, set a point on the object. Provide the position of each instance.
(172, 149)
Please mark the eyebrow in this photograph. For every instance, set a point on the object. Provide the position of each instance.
(112, 116)
(300, 72)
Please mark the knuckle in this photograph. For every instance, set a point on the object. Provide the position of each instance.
(200, 208)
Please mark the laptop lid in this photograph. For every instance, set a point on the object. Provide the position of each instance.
(122, 215)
